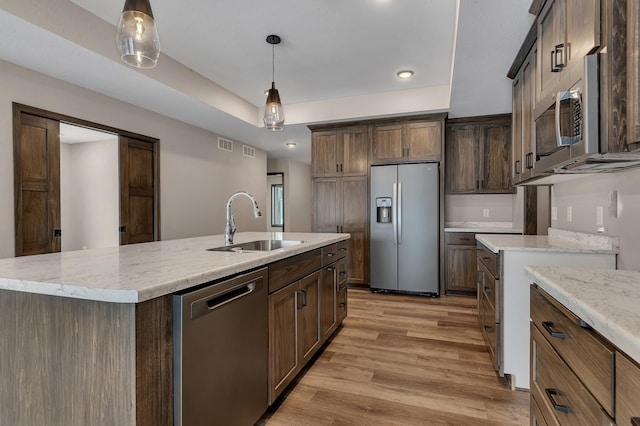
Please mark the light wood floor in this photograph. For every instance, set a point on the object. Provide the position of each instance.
(403, 360)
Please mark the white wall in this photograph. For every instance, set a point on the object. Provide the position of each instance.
(586, 193)
(297, 193)
(89, 195)
(469, 207)
(196, 178)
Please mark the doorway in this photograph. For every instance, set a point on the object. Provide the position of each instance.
(275, 201)
(56, 184)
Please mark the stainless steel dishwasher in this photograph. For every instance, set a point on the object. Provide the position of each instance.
(221, 352)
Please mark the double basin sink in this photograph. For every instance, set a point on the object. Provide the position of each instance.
(259, 245)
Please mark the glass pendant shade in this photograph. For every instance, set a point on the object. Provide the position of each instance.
(137, 36)
(273, 111)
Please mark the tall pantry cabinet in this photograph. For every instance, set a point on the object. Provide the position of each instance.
(340, 168)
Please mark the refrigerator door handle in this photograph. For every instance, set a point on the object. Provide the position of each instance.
(399, 216)
(394, 213)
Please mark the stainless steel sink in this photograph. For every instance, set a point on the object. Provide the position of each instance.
(260, 245)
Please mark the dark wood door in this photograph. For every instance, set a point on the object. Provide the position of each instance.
(37, 184)
(462, 160)
(138, 183)
(461, 269)
(496, 163)
(309, 317)
(324, 146)
(424, 141)
(328, 301)
(355, 151)
(354, 211)
(387, 143)
(325, 206)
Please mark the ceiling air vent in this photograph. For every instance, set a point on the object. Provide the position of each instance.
(225, 144)
(248, 151)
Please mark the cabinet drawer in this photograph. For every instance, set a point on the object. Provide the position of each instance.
(490, 287)
(461, 238)
(627, 391)
(329, 254)
(537, 418)
(562, 398)
(490, 259)
(291, 269)
(586, 353)
(490, 328)
(341, 266)
(342, 248)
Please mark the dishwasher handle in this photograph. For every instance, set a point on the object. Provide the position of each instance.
(219, 298)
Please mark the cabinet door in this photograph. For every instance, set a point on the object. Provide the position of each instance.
(461, 269)
(325, 207)
(627, 390)
(328, 301)
(461, 160)
(355, 221)
(423, 141)
(528, 75)
(387, 144)
(517, 129)
(355, 151)
(583, 29)
(284, 362)
(496, 161)
(324, 153)
(341, 309)
(633, 74)
(309, 317)
(551, 34)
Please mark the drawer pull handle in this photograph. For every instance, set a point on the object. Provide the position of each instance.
(548, 325)
(551, 393)
(486, 258)
(488, 329)
(329, 254)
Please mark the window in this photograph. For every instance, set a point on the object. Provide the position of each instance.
(277, 205)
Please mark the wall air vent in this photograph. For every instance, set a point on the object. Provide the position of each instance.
(248, 151)
(225, 144)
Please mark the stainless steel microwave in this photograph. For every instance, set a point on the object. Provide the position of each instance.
(566, 127)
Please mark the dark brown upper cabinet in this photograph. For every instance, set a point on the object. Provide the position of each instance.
(340, 152)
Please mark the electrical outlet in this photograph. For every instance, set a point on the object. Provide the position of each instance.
(554, 213)
(599, 215)
(569, 214)
(485, 212)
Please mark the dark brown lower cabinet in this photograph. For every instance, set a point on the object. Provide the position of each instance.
(460, 263)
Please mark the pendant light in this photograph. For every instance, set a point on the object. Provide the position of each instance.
(273, 112)
(137, 36)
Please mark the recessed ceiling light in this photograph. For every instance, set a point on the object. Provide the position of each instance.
(404, 74)
(291, 145)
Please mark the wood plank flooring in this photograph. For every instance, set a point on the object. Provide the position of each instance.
(402, 360)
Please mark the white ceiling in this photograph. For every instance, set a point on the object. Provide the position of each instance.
(337, 61)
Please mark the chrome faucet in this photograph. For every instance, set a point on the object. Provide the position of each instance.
(230, 227)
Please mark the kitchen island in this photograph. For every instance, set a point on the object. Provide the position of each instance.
(503, 287)
(87, 336)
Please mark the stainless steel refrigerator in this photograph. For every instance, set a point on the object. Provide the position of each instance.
(405, 237)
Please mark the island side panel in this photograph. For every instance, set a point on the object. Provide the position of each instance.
(154, 362)
(66, 361)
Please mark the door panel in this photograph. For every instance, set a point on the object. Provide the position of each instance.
(37, 185)
(325, 213)
(384, 253)
(137, 191)
(418, 249)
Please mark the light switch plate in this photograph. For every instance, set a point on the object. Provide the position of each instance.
(599, 215)
(485, 212)
(569, 213)
(554, 213)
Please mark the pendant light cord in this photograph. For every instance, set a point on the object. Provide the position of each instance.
(273, 63)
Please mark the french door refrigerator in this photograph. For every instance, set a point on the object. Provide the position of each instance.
(405, 237)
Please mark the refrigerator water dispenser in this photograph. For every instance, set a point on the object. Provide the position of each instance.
(383, 205)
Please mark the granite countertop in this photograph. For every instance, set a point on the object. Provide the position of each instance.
(557, 241)
(606, 299)
(139, 272)
(482, 227)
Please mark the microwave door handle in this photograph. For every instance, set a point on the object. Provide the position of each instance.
(560, 96)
